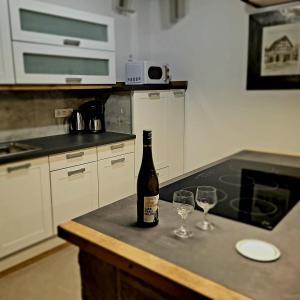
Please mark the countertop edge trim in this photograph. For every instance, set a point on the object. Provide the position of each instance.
(134, 260)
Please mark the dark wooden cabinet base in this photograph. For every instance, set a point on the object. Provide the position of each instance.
(103, 281)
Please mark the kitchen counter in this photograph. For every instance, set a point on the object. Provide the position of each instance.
(206, 265)
(66, 142)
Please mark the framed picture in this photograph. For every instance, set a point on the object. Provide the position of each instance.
(274, 49)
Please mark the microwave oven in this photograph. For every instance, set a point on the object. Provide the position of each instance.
(146, 72)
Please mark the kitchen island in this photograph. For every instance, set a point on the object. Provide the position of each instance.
(121, 261)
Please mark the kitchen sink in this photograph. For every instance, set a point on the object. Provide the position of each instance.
(9, 149)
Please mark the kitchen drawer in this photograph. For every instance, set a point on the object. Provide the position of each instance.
(72, 158)
(151, 95)
(163, 174)
(115, 149)
(74, 192)
(116, 178)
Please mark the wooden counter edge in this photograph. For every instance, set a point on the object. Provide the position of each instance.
(141, 263)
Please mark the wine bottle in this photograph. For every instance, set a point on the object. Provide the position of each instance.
(147, 186)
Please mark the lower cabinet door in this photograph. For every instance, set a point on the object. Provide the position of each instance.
(25, 204)
(163, 174)
(74, 192)
(116, 178)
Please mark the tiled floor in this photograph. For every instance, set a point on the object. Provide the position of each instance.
(54, 277)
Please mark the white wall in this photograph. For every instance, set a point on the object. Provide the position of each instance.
(209, 49)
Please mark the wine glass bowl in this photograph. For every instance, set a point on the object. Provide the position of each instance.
(206, 198)
(184, 204)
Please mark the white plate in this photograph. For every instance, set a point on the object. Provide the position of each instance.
(258, 250)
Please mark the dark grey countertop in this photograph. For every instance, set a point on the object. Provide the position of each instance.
(212, 254)
(66, 142)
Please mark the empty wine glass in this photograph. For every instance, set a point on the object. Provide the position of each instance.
(184, 204)
(206, 198)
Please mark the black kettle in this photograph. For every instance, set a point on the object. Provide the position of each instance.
(76, 122)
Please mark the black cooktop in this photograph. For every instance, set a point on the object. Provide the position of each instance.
(251, 192)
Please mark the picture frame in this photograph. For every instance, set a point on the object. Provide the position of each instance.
(274, 49)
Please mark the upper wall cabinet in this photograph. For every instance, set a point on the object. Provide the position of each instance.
(57, 45)
(43, 23)
(38, 63)
(6, 62)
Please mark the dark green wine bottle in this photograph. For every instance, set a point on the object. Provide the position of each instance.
(147, 186)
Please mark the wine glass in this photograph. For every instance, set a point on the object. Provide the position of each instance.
(184, 204)
(206, 198)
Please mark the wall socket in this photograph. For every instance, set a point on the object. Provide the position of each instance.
(62, 112)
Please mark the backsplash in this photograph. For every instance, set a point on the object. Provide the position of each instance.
(25, 115)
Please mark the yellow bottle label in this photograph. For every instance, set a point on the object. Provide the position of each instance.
(150, 208)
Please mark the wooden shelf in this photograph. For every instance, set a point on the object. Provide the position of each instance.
(52, 87)
(264, 3)
(118, 87)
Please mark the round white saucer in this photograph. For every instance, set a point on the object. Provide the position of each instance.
(258, 250)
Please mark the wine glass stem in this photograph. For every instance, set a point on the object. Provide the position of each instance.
(205, 216)
(182, 223)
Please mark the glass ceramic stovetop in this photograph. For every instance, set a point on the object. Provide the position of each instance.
(251, 192)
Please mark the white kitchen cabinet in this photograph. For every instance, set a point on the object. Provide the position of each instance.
(44, 23)
(72, 158)
(115, 171)
(25, 204)
(116, 178)
(37, 63)
(6, 60)
(149, 111)
(74, 192)
(163, 113)
(175, 126)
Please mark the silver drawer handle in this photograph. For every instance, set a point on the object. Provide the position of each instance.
(114, 147)
(74, 155)
(79, 171)
(153, 95)
(73, 80)
(178, 94)
(71, 42)
(120, 160)
(20, 167)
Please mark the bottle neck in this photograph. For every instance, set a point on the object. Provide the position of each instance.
(147, 160)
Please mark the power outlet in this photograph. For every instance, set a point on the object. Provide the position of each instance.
(62, 112)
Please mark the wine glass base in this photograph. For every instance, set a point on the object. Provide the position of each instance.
(205, 226)
(184, 234)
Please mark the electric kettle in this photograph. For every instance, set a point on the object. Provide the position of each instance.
(76, 122)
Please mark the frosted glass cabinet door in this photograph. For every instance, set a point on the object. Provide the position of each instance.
(6, 63)
(53, 64)
(34, 21)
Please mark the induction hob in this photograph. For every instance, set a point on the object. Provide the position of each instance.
(251, 192)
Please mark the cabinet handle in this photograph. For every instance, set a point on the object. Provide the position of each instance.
(74, 155)
(178, 94)
(120, 160)
(73, 80)
(79, 171)
(71, 42)
(153, 95)
(114, 147)
(20, 167)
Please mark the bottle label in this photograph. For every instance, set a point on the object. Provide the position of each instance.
(150, 208)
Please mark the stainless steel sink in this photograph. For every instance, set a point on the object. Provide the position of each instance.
(9, 149)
